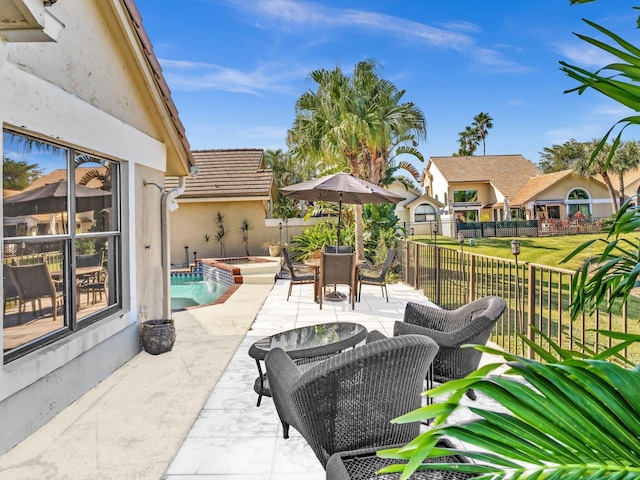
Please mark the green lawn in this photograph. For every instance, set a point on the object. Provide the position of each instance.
(543, 250)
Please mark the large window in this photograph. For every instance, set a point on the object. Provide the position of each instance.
(424, 213)
(61, 241)
(465, 196)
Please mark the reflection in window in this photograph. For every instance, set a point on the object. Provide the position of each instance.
(61, 241)
(465, 196)
(424, 213)
(578, 194)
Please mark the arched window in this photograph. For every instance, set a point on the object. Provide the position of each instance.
(578, 194)
(579, 200)
(424, 213)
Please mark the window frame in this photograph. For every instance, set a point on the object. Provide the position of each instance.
(73, 322)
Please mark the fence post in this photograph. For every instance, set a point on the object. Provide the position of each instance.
(531, 307)
(416, 283)
(437, 260)
(472, 277)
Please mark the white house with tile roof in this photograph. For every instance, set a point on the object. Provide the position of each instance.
(475, 188)
(82, 87)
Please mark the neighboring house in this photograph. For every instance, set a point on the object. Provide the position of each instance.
(234, 184)
(424, 214)
(81, 86)
(560, 195)
(478, 187)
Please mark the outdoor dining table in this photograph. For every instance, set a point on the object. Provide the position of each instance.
(305, 345)
(315, 263)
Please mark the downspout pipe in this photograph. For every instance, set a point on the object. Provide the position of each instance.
(168, 198)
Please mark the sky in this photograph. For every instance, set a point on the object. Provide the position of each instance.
(236, 67)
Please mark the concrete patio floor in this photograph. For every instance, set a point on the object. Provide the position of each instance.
(191, 414)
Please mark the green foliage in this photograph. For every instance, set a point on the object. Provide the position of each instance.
(313, 239)
(286, 172)
(18, 175)
(608, 278)
(245, 226)
(221, 233)
(576, 417)
(380, 223)
(561, 157)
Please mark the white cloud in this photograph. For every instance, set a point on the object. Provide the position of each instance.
(585, 55)
(303, 15)
(193, 76)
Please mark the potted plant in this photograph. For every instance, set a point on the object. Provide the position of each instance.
(273, 246)
(158, 336)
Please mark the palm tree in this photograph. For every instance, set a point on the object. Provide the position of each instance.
(482, 123)
(356, 123)
(468, 140)
(589, 165)
(625, 159)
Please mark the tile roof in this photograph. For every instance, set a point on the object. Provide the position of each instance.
(228, 173)
(536, 185)
(507, 173)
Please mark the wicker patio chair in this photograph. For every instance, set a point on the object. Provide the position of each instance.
(347, 402)
(300, 274)
(363, 464)
(9, 289)
(337, 249)
(34, 283)
(338, 269)
(469, 324)
(379, 279)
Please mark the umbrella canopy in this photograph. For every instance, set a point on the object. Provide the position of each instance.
(341, 187)
(52, 198)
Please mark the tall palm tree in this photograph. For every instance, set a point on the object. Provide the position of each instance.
(356, 122)
(468, 140)
(588, 165)
(482, 123)
(625, 159)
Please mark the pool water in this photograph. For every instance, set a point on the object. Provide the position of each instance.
(192, 290)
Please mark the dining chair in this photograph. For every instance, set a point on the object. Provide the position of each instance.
(9, 289)
(338, 269)
(89, 260)
(34, 283)
(300, 274)
(379, 279)
(338, 249)
(92, 289)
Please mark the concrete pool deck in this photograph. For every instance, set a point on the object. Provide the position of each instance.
(190, 414)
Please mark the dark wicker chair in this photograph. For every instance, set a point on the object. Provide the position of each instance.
(34, 283)
(362, 465)
(337, 249)
(338, 269)
(379, 279)
(469, 324)
(347, 402)
(300, 274)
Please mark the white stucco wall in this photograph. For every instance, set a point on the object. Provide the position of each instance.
(81, 92)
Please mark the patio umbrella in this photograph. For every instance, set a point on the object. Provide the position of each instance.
(341, 188)
(52, 198)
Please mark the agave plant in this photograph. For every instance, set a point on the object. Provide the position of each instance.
(576, 417)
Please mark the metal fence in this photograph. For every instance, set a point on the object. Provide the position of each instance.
(537, 296)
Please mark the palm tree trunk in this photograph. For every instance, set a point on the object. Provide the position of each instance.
(359, 240)
(621, 188)
(612, 192)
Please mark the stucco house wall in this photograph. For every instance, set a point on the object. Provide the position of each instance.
(91, 89)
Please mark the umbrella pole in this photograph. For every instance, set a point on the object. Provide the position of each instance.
(339, 219)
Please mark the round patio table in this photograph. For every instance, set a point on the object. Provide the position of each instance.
(304, 345)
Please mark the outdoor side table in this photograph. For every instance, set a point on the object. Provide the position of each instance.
(303, 344)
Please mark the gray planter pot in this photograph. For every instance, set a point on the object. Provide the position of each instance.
(158, 336)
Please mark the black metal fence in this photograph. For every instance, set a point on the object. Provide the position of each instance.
(537, 296)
